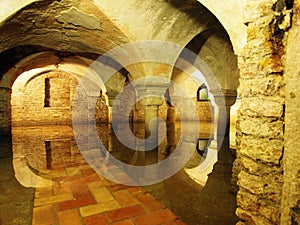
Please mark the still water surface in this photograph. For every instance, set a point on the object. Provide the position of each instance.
(42, 153)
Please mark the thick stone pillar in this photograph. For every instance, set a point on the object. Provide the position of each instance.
(290, 202)
(260, 122)
(5, 111)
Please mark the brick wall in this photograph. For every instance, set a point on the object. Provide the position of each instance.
(31, 104)
(46, 149)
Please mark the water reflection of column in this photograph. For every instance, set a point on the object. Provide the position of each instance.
(110, 137)
(48, 155)
(151, 136)
(171, 132)
(138, 158)
(151, 124)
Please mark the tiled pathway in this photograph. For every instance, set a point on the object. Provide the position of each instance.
(84, 197)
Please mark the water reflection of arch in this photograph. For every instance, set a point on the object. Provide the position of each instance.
(214, 47)
(26, 71)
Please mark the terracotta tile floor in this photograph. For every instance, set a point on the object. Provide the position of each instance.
(87, 198)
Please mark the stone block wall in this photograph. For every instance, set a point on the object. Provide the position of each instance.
(260, 123)
(290, 213)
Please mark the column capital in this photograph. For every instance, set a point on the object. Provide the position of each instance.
(113, 100)
(224, 97)
(151, 92)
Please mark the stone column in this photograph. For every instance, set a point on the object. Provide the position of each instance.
(224, 100)
(151, 96)
(151, 123)
(171, 123)
(171, 115)
(5, 111)
(112, 102)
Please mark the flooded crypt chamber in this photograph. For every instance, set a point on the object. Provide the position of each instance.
(153, 112)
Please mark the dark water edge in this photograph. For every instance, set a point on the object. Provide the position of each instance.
(16, 201)
(215, 203)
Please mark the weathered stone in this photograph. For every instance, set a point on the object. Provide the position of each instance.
(271, 212)
(290, 205)
(254, 203)
(264, 149)
(262, 86)
(75, 17)
(261, 107)
(252, 183)
(248, 201)
(259, 168)
(256, 12)
(264, 186)
(261, 127)
(252, 219)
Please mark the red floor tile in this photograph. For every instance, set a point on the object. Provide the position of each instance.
(61, 188)
(69, 217)
(155, 218)
(43, 192)
(87, 172)
(125, 222)
(150, 202)
(136, 190)
(95, 220)
(117, 187)
(125, 198)
(176, 222)
(90, 178)
(43, 215)
(124, 213)
(67, 178)
(80, 190)
(72, 204)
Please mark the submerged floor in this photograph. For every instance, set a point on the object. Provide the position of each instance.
(78, 195)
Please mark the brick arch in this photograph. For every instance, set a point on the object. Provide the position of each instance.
(36, 65)
(219, 71)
